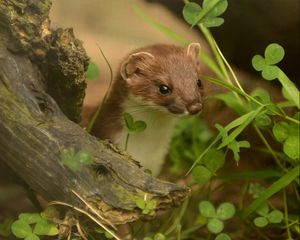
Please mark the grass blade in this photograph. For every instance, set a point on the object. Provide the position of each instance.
(164, 29)
(249, 175)
(289, 87)
(274, 188)
(242, 122)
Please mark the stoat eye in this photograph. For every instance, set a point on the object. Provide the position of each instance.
(199, 83)
(164, 89)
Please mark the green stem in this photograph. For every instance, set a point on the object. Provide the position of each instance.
(247, 96)
(177, 220)
(286, 215)
(243, 194)
(289, 86)
(262, 137)
(210, 41)
(96, 114)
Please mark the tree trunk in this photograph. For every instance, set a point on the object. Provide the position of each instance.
(41, 91)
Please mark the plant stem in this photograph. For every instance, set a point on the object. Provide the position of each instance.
(210, 41)
(95, 115)
(262, 137)
(243, 194)
(286, 215)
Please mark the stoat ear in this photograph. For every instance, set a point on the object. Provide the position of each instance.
(193, 50)
(133, 64)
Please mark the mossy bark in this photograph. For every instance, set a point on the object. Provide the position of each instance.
(41, 93)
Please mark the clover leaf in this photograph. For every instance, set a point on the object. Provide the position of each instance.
(288, 135)
(225, 211)
(260, 221)
(74, 160)
(30, 217)
(263, 210)
(207, 15)
(275, 216)
(45, 227)
(265, 216)
(211, 162)
(145, 205)
(215, 225)
(274, 53)
(21, 229)
(291, 147)
(133, 126)
(222, 236)
(214, 159)
(30, 225)
(207, 209)
(159, 236)
(255, 189)
(216, 217)
(201, 174)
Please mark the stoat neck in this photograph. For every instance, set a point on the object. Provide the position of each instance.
(150, 146)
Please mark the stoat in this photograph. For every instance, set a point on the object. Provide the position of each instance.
(157, 84)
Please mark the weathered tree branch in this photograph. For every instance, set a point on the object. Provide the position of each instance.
(38, 65)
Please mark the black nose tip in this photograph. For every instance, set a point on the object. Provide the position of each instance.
(194, 108)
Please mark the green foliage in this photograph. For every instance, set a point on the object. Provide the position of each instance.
(74, 160)
(216, 217)
(211, 162)
(274, 53)
(281, 183)
(5, 227)
(194, 145)
(93, 72)
(31, 226)
(266, 216)
(104, 233)
(147, 206)
(207, 15)
(133, 126)
(190, 138)
(222, 236)
(288, 134)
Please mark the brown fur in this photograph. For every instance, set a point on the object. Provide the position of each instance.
(141, 74)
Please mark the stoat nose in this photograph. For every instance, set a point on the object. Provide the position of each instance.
(194, 108)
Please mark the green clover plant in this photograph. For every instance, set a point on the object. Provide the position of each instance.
(288, 134)
(207, 15)
(30, 226)
(74, 160)
(210, 163)
(216, 217)
(133, 126)
(265, 215)
(274, 53)
(147, 206)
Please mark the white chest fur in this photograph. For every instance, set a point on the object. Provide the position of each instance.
(150, 146)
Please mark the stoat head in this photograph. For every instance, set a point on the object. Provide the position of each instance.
(167, 76)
